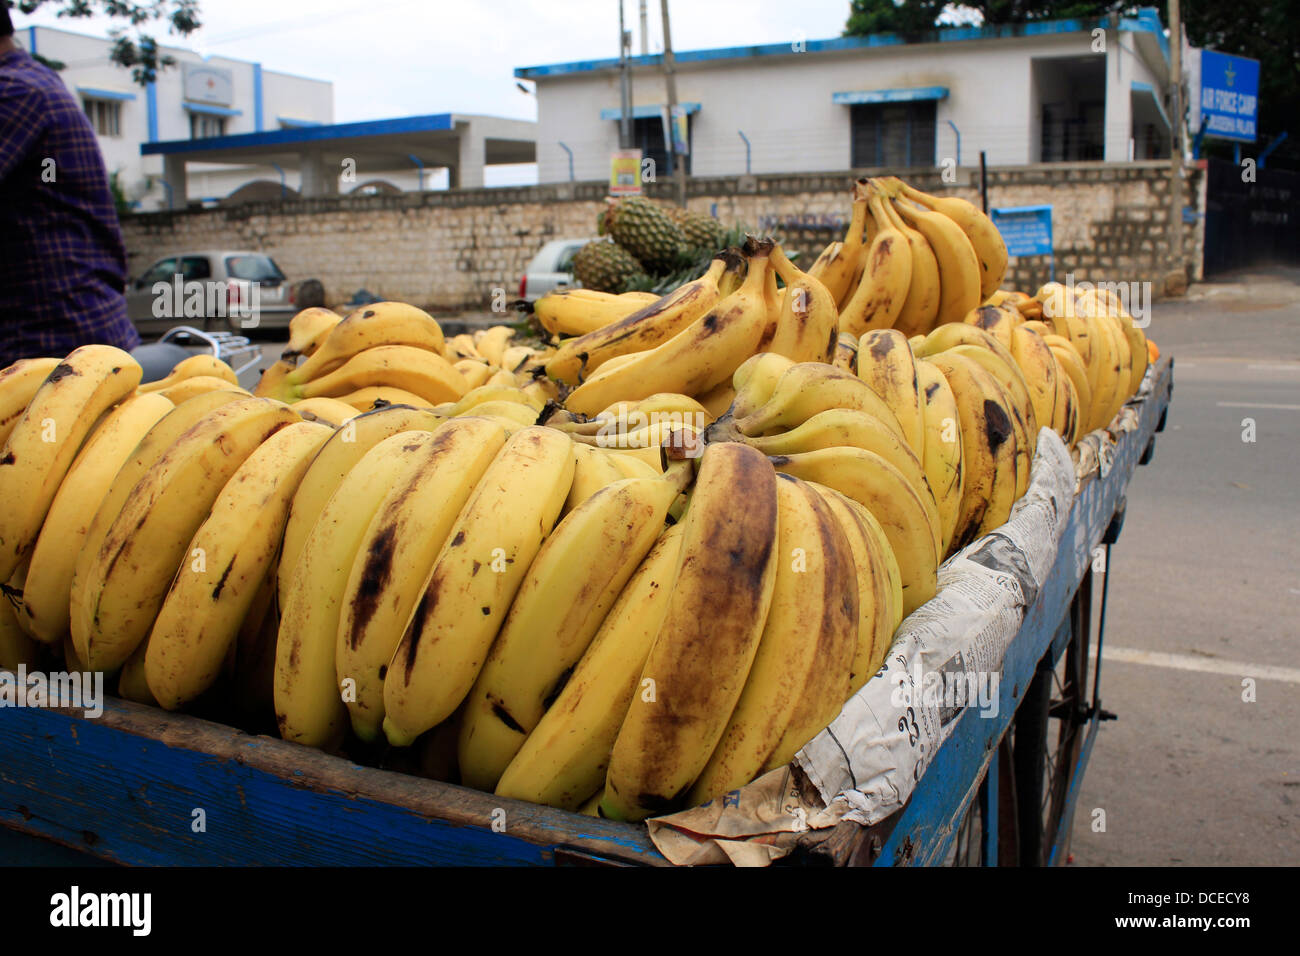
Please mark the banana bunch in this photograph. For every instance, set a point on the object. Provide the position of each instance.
(579, 311)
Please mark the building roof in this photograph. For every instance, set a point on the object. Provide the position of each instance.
(1147, 22)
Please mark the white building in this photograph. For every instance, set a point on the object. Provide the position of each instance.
(196, 98)
(1064, 90)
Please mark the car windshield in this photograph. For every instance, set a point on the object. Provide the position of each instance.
(253, 268)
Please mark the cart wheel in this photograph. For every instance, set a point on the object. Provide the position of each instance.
(1048, 736)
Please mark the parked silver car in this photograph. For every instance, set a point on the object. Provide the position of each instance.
(222, 290)
(550, 269)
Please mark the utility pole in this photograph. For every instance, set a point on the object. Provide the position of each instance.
(645, 30)
(625, 84)
(1176, 136)
(679, 164)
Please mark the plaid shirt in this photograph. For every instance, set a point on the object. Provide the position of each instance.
(62, 262)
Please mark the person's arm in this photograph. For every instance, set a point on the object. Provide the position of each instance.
(22, 123)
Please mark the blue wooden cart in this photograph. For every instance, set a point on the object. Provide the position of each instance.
(139, 786)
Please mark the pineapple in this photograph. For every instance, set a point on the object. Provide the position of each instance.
(646, 232)
(605, 266)
(704, 234)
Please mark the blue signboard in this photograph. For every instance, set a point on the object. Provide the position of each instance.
(1229, 96)
(1027, 231)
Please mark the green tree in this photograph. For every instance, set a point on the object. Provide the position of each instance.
(132, 47)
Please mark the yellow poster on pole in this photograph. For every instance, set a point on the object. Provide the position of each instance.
(625, 172)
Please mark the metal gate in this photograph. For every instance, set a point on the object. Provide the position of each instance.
(1250, 223)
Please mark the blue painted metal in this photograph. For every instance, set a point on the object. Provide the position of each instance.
(1270, 147)
(1072, 796)
(257, 97)
(748, 150)
(437, 122)
(890, 96)
(989, 811)
(957, 133)
(1147, 89)
(570, 152)
(209, 110)
(151, 100)
(1147, 21)
(647, 112)
(925, 829)
(289, 122)
(419, 166)
(31, 40)
(99, 94)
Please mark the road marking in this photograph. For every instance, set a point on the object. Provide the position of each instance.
(1290, 367)
(1205, 665)
(1284, 408)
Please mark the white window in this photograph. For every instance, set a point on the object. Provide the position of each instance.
(203, 126)
(105, 116)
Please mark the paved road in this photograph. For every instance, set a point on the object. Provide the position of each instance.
(1205, 593)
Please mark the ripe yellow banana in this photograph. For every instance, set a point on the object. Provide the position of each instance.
(878, 300)
(44, 610)
(16, 645)
(846, 352)
(990, 249)
(886, 363)
(807, 327)
(307, 331)
(580, 311)
(396, 555)
(377, 396)
(1040, 370)
(18, 385)
(646, 328)
(811, 387)
(800, 674)
(1070, 364)
(187, 388)
(910, 518)
(381, 323)
(330, 411)
(571, 585)
(415, 370)
(338, 456)
(835, 271)
(699, 661)
(475, 579)
(920, 309)
(565, 758)
(593, 469)
(959, 269)
(702, 355)
(943, 462)
(309, 699)
(996, 320)
(146, 543)
(490, 393)
(475, 372)
(46, 439)
(228, 559)
(492, 343)
(755, 380)
(196, 366)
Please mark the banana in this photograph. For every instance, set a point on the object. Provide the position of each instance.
(648, 327)
(699, 661)
(330, 411)
(565, 758)
(990, 249)
(373, 396)
(944, 462)
(910, 518)
(886, 279)
(996, 320)
(920, 309)
(228, 559)
(187, 388)
(44, 609)
(16, 645)
(132, 682)
(18, 385)
(490, 393)
(381, 323)
(1116, 366)
(835, 271)
(702, 355)
(1070, 363)
(307, 331)
(628, 466)
(989, 447)
(474, 580)
(808, 388)
(475, 372)
(396, 555)
(807, 326)
(593, 469)
(460, 347)
(879, 583)
(718, 399)
(1040, 370)
(1023, 421)
(518, 414)
(337, 457)
(886, 363)
(196, 366)
(800, 674)
(412, 369)
(959, 269)
(579, 572)
(309, 699)
(272, 382)
(146, 454)
(755, 380)
(46, 439)
(846, 352)
(493, 342)
(146, 543)
(579, 311)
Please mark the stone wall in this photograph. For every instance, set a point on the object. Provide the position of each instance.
(459, 249)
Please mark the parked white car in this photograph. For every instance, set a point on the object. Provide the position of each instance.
(550, 269)
(224, 290)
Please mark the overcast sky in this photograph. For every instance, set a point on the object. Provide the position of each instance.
(403, 57)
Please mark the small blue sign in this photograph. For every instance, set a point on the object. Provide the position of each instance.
(1229, 96)
(1027, 230)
